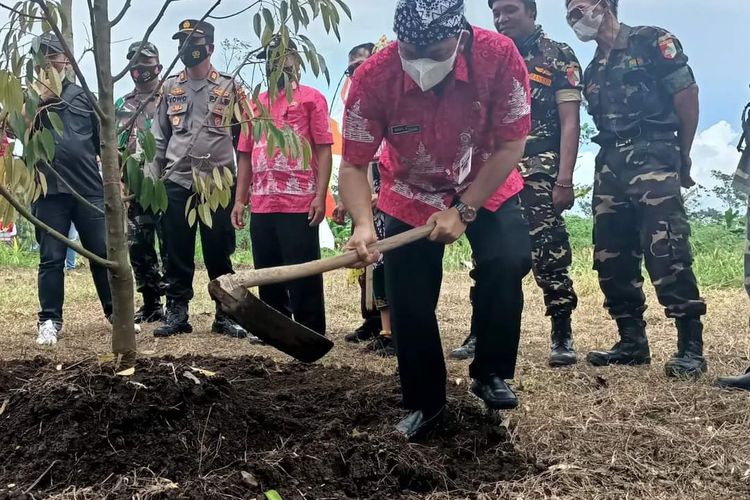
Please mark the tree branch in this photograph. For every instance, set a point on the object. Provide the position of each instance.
(71, 58)
(119, 16)
(163, 79)
(58, 236)
(119, 76)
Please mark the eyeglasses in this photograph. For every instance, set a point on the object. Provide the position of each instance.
(577, 14)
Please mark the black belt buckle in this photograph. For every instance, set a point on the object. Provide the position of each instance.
(621, 143)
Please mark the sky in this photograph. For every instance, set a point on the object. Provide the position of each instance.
(714, 35)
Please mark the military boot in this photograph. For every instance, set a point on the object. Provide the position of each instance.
(177, 320)
(562, 353)
(742, 382)
(688, 361)
(466, 351)
(150, 312)
(632, 349)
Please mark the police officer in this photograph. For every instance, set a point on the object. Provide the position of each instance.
(189, 136)
(742, 183)
(643, 98)
(143, 226)
(547, 167)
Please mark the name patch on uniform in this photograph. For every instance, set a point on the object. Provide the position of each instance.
(540, 79)
(667, 47)
(405, 129)
(543, 71)
(176, 99)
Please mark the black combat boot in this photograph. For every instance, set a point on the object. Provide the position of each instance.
(688, 361)
(562, 353)
(632, 349)
(177, 320)
(368, 330)
(466, 351)
(742, 382)
(151, 311)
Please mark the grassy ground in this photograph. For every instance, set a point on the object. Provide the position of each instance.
(607, 433)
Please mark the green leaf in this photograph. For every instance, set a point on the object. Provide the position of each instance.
(133, 176)
(189, 204)
(306, 154)
(273, 495)
(283, 11)
(228, 176)
(345, 8)
(191, 217)
(204, 212)
(160, 196)
(268, 17)
(56, 122)
(149, 146)
(42, 182)
(147, 193)
(257, 131)
(256, 24)
(217, 178)
(48, 143)
(17, 124)
(296, 15)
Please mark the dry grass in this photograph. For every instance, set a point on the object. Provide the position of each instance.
(608, 433)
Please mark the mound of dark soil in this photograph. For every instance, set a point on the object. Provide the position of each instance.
(173, 430)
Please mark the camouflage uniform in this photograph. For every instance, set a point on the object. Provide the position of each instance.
(742, 183)
(143, 227)
(637, 203)
(555, 76)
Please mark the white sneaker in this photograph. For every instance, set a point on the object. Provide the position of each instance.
(47, 333)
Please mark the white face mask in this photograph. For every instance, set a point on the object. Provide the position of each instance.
(588, 26)
(427, 73)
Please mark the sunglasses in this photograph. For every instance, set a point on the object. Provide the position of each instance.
(575, 15)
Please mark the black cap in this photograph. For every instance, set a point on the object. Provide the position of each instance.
(50, 44)
(200, 28)
(274, 44)
(148, 50)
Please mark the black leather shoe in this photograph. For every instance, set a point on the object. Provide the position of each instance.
(632, 349)
(177, 321)
(466, 351)
(562, 352)
(367, 331)
(224, 325)
(688, 361)
(742, 382)
(495, 393)
(418, 424)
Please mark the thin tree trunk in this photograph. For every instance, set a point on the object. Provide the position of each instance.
(66, 9)
(121, 277)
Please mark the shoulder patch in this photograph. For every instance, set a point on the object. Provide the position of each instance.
(667, 46)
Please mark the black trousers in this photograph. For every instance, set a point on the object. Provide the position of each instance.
(284, 239)
(502, 252)
(58, 211)
(218, 243)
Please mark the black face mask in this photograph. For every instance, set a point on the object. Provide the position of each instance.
(193, 55)
(145, 74)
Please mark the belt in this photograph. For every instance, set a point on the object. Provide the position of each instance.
(623, 140)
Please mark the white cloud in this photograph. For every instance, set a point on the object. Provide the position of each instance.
(715, 148)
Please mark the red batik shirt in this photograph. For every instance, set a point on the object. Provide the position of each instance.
(435, 145)
(281, 184)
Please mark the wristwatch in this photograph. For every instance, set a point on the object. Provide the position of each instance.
(467, 213)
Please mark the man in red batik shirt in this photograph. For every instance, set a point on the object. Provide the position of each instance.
(287, 201)
(452, 103)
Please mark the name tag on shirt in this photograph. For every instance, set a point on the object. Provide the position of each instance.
(405, 129)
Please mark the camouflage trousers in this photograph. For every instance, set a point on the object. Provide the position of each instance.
(639, 213)
(747, 252)
(143, 231)
(550, 246)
